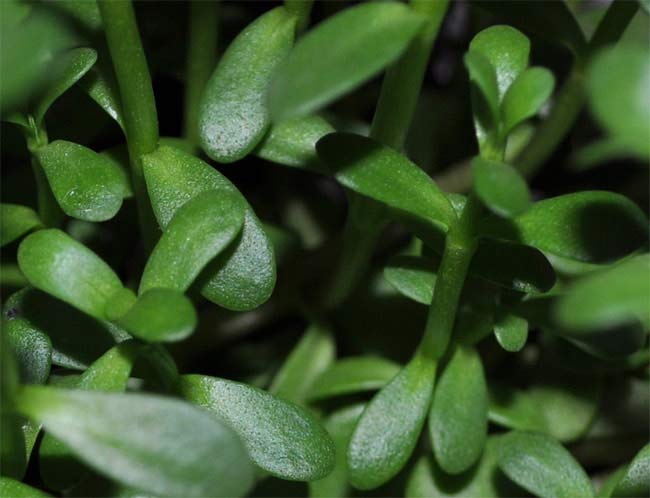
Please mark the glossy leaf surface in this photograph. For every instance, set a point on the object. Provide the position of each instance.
(500, 187)
(16, 221)
(636, 480)
(526, 96)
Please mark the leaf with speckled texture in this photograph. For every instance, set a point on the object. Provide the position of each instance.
(233, 114)
(281, 438)
(511, 331)
(636, 480)
(66, 269)
(32, 350)
(390, 426)
(16, 221)
(16, 489)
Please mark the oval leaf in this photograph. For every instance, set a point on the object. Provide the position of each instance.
(340, 54)
(32, 350)
(511, 331)
(515, 409)
(483, 74)
(281, 438)
(500, 187)
(16, 221)
(413, 277)
(233, 116)
(636, 480)
(526, 96)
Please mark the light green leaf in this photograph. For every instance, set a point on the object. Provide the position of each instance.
(233, 115)
(280, 437)
(515, 409)
(10, 488)
(200, 230)
(483, 74)
(16, 221)
(87, 185)
(353, 375)
(511, 331)
(119, 435)
(458, 420)
(390, 426)
(314, 352)
(293, 142)
(383, 174)
(500, 187)
(636, 480)
(526, 96)
(340, 54)
(542, 466)
(413, 277)
(32, 350)
(59, 265)
(244, 277)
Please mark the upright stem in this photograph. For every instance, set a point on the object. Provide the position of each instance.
(138, 102)
(201, 57)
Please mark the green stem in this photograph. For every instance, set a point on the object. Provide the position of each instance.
(138, 102)
(301, 9)
(201, 57)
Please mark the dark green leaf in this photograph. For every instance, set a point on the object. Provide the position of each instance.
(458, 420)
(511, 331)
(59, 265)
(10, 488)
(101, 86)
(383, 174)
(16, 221)
(233, 115)
(515, 409)
(483, 74)
(340, 54)
(353, 375)
(526, 96)
(281, 438)
(500, 187)
(119, 435)
(12, 444)
(636, 480)
(200, 230)
(390, 426)
(413, 277)
(87, 185)
(32, 350)
(542, 466)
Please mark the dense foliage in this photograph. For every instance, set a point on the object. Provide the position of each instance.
(331, 249)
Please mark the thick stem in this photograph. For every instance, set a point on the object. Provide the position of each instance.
(201, 57)
(138, 102)
(301, 9)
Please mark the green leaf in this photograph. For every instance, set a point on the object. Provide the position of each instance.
(608, 298)
(293, 142)
(458, 420)
(627, 117)
(506, 49)
(526, 96)
(99, 83)
(353, 375)
(636, 480)
(160, 315)
(119, 435)
(314, 352)
(413, 277)
(514, 408)
(500, 187)
(59, 265)
(32, 350)
(64, 71)
(10, 488)
(233, 115)
(511, 331)
(13, 453)
(87, 185)
(383, 174)
(340, 54)
(280, 437)
(590, 226)
(16, 221)
(244, 277)
(542, 466)
(200, 230)
(483, 74)
(390, 426)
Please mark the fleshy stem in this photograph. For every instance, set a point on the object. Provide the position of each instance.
(301, 9)
(201, 58)
(397, 101)
(138, 102)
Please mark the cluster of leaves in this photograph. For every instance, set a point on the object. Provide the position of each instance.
(106, 314)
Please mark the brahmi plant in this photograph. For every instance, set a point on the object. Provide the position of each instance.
(331, 249)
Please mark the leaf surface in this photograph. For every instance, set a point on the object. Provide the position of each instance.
(500, 187)
(16, 221)
(526, 96)
(511, 331)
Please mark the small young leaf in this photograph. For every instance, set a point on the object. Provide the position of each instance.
(383, 174)
(293, 142)
(101, 86)
(59, 265)
(338, 55)
(32, 350)
(16, 221)
(390, 426)
(526, 96)
(200, 230)
(506, 49)
(515, 409)
(483, 74)
(87, 185)
(353, 375)
(280, 437)
(309, 358)
(500, 187)
(590, 226)
(636, 480)
(65, 71)
(233, 116)
(458, 420)
(119, 435)
(413, 277)
(160, 315)
(542, 466)
(10, 488)
(511, 331)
